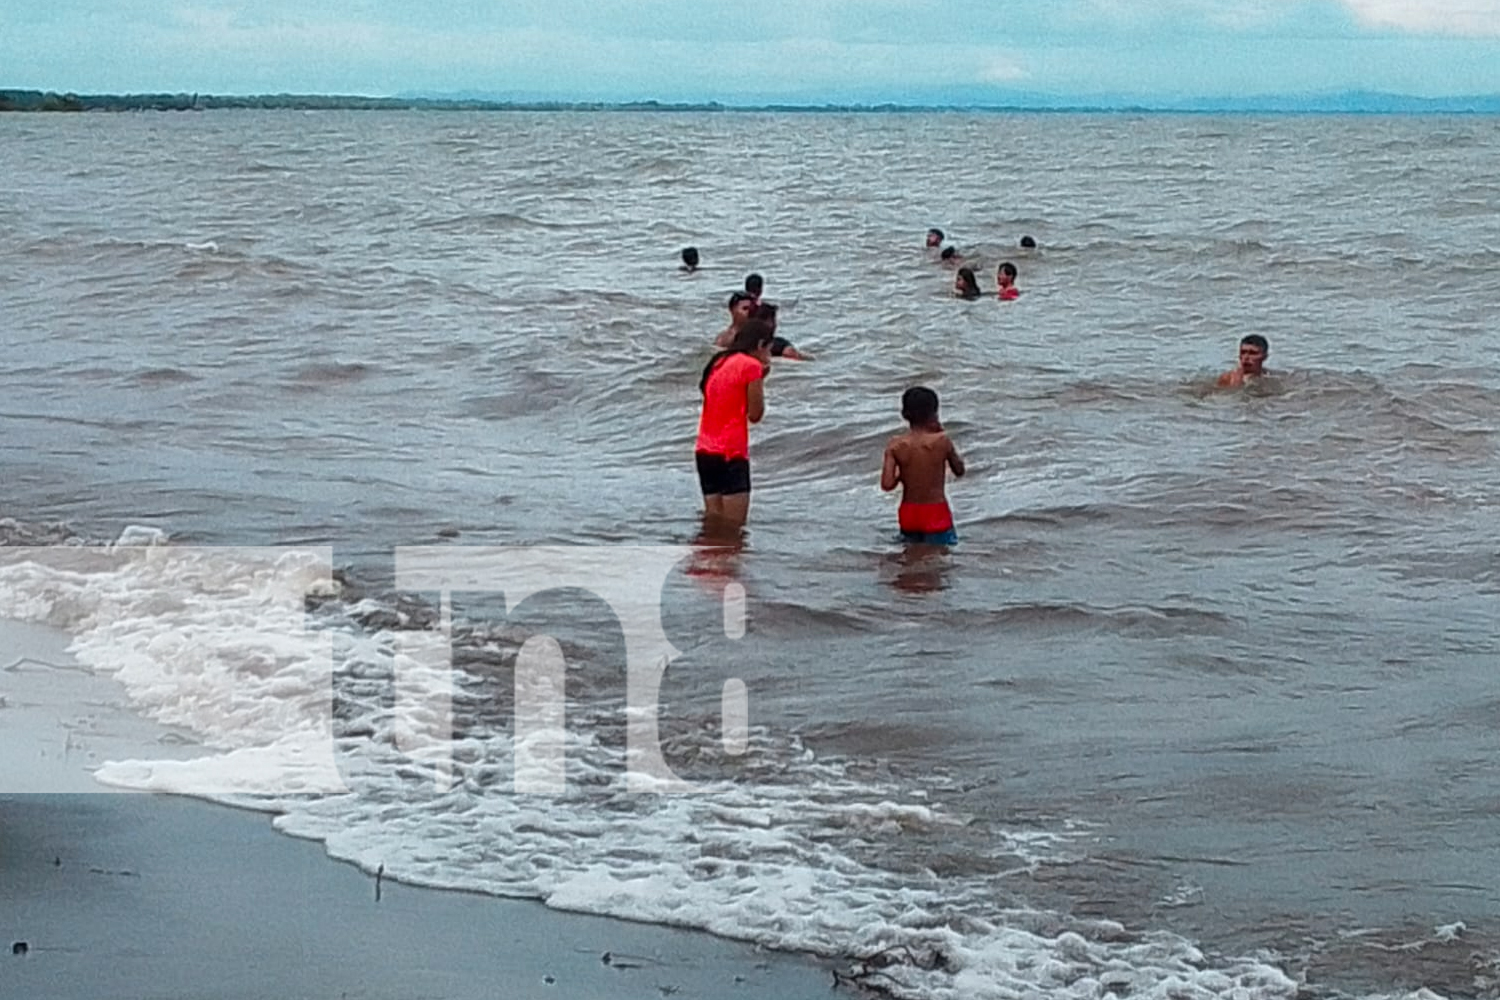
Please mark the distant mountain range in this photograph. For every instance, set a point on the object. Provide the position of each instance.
(954, 99)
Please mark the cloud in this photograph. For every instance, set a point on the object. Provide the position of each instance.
(1443, 17)
(1000, 69)
(810, 50)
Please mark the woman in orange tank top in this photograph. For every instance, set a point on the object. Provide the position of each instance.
(733, 387)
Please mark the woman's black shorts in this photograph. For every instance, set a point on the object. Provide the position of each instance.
(723, 476)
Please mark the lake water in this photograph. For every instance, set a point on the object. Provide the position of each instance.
(1203, 703)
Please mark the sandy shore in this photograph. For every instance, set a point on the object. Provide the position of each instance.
(146, 896)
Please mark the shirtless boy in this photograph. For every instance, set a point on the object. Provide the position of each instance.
(1254, 350)
(918, 461)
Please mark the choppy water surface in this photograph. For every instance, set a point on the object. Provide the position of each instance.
(1206, 692)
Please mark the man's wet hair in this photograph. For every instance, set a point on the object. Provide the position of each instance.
(919, 405)
(936, 232)
(1028, 242)
(1006, 267)
(1256, 340)
(754, 284)
(949, 253)
(735, 298)
(690, 256)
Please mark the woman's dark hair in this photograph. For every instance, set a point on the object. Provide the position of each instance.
(970, 283)
(746, 341)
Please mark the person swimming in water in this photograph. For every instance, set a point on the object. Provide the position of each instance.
(918, 461)
(741, 305)
(1254, 349)
(1005, 282)
(965, 285)
(934, 239)
(689, 260)
(780, 346)
(754, 286)
(733, 389)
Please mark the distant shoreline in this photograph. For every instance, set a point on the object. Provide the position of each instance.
(1346, 103)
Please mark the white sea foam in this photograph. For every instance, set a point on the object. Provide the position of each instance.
(790, 856)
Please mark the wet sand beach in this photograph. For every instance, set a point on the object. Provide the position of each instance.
(131, 895)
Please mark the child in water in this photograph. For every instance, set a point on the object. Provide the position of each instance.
(1005, 281)
(918, 461)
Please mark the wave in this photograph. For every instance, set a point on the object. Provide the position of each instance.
(482, 222)
(784, 847)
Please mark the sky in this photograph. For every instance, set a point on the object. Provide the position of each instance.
(754, 51)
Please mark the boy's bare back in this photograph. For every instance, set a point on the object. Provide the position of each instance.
(918, 460)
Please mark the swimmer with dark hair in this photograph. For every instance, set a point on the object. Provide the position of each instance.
(950, 256)
(689, 260)
(1005, 281)
(965, 285)
(1027, 243)
(1254, 349)
(780, 346)
(934, 238)
(754, 285)
(741, 305)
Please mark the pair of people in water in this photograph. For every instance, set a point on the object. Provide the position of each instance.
(733, 389)
(966, 286)
(746, 306)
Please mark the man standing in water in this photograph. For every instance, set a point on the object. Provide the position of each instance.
(1253, 353)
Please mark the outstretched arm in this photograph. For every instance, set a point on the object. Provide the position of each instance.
(890, 472)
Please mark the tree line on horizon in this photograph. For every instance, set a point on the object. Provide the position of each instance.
(38, 100)
(1350, 102)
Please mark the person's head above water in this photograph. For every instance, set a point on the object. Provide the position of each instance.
(1028, 242)
(690, 258)
(1254, 349)
(934, 238)
(741, 305)
(950, 256)
(965, 285)
(754, 285)
(765, 313)
(919, 407)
